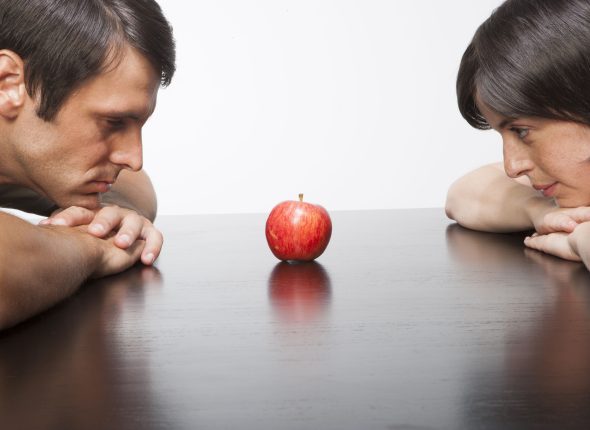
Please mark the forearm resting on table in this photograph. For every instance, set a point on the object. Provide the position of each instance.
(133, 190)
(580, 242)
(40, 267)
(488, 200)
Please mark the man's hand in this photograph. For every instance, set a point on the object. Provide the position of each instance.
(115, 259)
(106, 256)
(125, 225)
(43, 265)
(561, 220)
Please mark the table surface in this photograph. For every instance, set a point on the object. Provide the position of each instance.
(406, 322)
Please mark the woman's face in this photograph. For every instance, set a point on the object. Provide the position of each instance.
(553, 154)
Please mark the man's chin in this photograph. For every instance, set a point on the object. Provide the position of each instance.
(88, 201)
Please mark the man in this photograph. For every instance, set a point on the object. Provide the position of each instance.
(78, 80)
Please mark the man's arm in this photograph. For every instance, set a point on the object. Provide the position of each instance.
(40, 266)
(134, 190)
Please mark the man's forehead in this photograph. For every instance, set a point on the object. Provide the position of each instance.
(129, 89)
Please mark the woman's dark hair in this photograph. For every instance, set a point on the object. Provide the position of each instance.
(65, 42)
(529, 58)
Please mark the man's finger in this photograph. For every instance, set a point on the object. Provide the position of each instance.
(129, 231)
(105, 221)
(70, 217)
(153, 244)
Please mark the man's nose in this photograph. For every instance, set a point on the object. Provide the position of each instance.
(516, 158)
(128, 151)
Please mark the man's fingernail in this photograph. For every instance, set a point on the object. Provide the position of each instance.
(58, 221)
(96, 228)
(125, 239)
(149, 258)
(44, 221)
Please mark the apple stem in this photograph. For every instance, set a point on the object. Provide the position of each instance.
(300, 197)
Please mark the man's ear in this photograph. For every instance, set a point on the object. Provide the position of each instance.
(12, 84)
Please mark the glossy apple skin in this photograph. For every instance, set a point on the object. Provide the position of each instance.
(298, 231)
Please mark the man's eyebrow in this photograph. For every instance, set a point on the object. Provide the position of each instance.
(133, 115)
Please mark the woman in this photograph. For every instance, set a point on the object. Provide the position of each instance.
(526, 74)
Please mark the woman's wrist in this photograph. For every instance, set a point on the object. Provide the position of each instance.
(537, 208)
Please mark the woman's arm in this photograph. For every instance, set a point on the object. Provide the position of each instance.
(488, 200)
(573, 246)
(579, 242)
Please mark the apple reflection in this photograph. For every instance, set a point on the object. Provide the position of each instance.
(299, 292)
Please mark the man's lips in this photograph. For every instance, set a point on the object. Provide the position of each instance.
(547, 190)
(101, 186)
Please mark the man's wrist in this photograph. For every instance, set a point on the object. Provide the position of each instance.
(87, 247)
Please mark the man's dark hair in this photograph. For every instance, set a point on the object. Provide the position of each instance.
(65, 42)
(529, 58)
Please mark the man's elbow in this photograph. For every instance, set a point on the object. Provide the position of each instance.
(7, 317)
(10, 315)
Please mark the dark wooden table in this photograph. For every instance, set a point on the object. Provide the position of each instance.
(406, 322)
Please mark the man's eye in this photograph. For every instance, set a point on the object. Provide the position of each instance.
(115, 123)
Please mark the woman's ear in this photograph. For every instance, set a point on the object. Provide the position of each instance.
(12, 84)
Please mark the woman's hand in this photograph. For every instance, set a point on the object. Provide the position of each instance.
(560, 220)
(558, 244)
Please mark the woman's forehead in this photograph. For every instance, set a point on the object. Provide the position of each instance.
(494, 119)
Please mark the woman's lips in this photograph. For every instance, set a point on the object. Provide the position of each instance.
(547, 190)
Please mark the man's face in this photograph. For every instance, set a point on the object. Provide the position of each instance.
(95, 135)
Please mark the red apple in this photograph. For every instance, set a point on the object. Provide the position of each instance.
(298, 231)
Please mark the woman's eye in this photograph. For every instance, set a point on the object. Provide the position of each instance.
(521, 132)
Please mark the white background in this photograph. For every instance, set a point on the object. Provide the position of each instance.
(351, 102)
